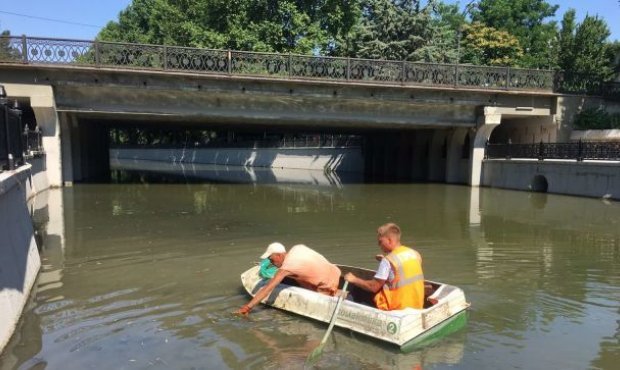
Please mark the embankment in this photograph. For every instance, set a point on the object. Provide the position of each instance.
(19, 256)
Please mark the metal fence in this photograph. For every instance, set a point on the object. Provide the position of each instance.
(32, 142)
(286, 142)
(11, 144)
(36, 51)
(571, 151)
(16, 143)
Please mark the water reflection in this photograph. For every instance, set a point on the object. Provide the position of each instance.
(145, 275)
(132, 171)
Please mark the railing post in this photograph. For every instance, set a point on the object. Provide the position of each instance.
(290, 66)
(97, 60)
(9, 147)
(24, 50)
(541, 151)
(229, 60)
(580, 151)
(165, 58)
(507, 78)
(348, 68)
(456, 75)
(37, 131)
(26, 141)
(403, 67)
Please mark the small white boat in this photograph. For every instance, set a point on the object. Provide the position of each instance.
(404, 328)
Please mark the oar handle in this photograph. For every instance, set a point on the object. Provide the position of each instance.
(335, 313)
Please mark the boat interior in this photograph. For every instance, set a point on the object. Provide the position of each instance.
(364, 297)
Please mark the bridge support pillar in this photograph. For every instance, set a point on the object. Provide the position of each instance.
(487, 121)
(68, 173)
(455, 159)
(437, 156)
(44, 106)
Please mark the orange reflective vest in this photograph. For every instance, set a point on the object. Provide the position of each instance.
(407, 287)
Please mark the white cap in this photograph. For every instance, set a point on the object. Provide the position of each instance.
(273, 248)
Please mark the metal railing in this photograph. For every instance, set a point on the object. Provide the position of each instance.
(11, 145)
(579, 151)
(16, 144)
(37, 51)
(32, 142)
(302, 142)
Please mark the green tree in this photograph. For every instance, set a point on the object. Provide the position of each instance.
(445, 29)
(311, 26)
(488, 46)
(525, 19)
(402, 30)
(8, 52)
(596, 119)
(590, 49)
(613, 54)
(450, 16)
(567, 41)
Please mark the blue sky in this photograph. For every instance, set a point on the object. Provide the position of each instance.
(84, 18)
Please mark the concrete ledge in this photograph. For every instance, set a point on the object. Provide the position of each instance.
(19, 257)
(597, 179)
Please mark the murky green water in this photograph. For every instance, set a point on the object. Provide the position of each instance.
(145, 276)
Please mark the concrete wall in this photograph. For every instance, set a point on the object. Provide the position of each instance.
(38, 176)
(587, 178)
(331, 159)
(19, 257)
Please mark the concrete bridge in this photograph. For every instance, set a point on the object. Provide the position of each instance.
(425, 122)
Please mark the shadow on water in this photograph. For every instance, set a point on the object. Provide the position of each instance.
(286, 340)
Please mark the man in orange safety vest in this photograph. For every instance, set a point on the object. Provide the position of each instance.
(399, 280)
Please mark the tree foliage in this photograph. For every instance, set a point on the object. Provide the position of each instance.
(7, 52)
(596, 119)
(567, 40)
(584, 49)
(402, 30)
(525, 19)
(262, 25)
(488, 46)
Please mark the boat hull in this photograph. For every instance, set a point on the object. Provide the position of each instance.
(403, 328)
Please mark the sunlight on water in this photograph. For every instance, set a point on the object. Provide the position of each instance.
(146, 275)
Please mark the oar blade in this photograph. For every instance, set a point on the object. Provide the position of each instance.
(318, 351)
(315, 354)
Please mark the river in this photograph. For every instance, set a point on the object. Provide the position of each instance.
(144, 274)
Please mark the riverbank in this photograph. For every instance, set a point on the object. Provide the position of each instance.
(596, 179)
(19, 262)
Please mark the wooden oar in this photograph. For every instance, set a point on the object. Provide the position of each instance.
(318, 351)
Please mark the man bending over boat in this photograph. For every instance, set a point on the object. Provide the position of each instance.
(399, 281)
(309, 268)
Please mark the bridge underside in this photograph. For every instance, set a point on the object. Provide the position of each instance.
(410, 133)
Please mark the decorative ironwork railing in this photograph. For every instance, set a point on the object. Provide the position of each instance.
(34, 50)
(32, 143)
(579, 151)
(16, 144)
(11, 149)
